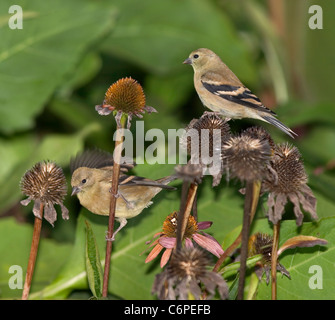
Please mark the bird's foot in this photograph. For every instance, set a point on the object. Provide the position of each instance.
(123, 222)
(109, 238)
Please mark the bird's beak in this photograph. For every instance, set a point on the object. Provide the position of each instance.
(187, 61)
(75, 190)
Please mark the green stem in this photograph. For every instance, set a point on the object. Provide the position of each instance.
(274, 257)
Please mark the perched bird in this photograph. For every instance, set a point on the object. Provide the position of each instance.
(91, 181)
(221, 91)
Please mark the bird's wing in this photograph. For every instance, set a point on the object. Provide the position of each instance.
(98, 159)
(215, 84)
(126, 180)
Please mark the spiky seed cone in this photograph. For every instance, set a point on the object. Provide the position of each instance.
(210, 122)
(260, 133)
(126, 95)
(246, 157)
(261, 243)
(189, 172)
(45, 182)
(289, 168)
(188, 263)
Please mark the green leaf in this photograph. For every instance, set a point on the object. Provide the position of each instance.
(93, 264)
(300, 261)
(159, 35)
(35, 60)
(55, 147)
(51, 257)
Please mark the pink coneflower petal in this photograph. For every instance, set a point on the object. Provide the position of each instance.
(165, 257)
(208, 243)
(167, 242)
(188, 243)
(154, 253)
(204, 224)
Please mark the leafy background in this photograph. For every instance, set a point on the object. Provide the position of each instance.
(58, 67)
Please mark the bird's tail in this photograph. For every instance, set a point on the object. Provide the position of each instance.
(165, 181)
(272, 120)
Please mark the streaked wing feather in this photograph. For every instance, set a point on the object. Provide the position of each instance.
(237, 94)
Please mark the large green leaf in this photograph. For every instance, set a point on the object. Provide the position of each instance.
(55, 147)
(300, 261)
(159, 35)
(14, 250)
(35, 60)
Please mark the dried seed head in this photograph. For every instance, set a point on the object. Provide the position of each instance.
(125, 95)
(203, 140)
(45, 184)
(261, 243)
(260, 133)
(187, 275)
(246, 157)
(202, 134)
(289, 170)
(287, 180)
(189, 172)
(188, 263)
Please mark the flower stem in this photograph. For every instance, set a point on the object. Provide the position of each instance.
(274, 256)
(237, 241)
(250, 204)
(114, 192)
(186, 206)
(33, 254)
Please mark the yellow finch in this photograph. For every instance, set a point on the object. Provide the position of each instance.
(222, 92)
(91, 181)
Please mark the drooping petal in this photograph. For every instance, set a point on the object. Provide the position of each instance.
(208, 243)
(167, 242)
(154, 253)
(204, 225)
(25, 202)
(165, 257)
(297, 210)
(188, 243)
(65, 212)
(50, 213)
(308, 200)
(37, 208)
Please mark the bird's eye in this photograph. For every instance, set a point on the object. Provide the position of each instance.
(196, 56)
(83, 181)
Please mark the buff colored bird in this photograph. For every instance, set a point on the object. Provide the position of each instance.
(92, 173)
(221, 91)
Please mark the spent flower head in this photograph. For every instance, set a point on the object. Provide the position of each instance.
(203, 140)
(246, 156)
(287, 180)
(261, 243)
(125, 96)
(167, 238)
(187, 275)
(45, 184)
